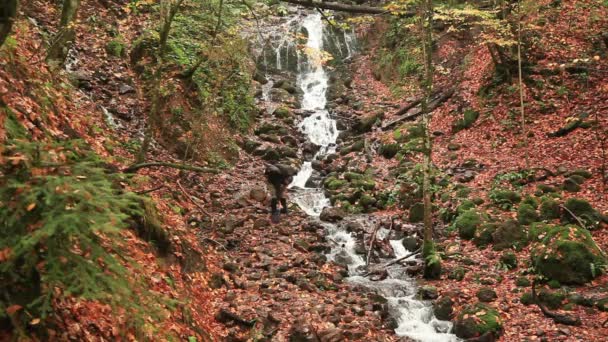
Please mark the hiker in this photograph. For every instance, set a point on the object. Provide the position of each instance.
(278, 176)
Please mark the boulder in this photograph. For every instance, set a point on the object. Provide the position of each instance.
(467, 223)
(509, 234)
(478, 320)
(427, 292)
(486, 294)
(443, 308)
(332, 214)
(569, 255)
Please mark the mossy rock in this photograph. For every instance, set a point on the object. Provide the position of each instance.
(549, 209)
(526, 214)
(465, 206)
(365, 184)
(416, 213)
(509, 234)
(578, 179)
(478, 200)
(116, 48)
(457, 273)
(530, 200)
(484, 235)
(364, 124)
(527, 298)
(538, 231)
(467, 121)
(282, 112)
(582, 209)
(571, 185)
(545, 189)
(509, 259)
(351, 176)
(443, 308)
(415, 131)
(411, 243)
(581, 173)
(367, 201)
(602, 304)
(388, 151)
(554, 284)
(522, 282)
(463, 192)
(477, 320)
(486, 294)
(552, 299)
(432, 262)
(579, 299)
(454, 147)
(505, 199)
(427, 292)
(333, 183)
(569, 255)
(467, 223)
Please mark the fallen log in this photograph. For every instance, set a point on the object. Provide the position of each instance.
(412, 111)
(134, 168)
(340, 7)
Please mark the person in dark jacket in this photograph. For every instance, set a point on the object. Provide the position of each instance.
(279, 176)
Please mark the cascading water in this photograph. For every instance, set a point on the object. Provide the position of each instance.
(415, 317)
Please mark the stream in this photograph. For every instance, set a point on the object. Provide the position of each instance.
(415, 319)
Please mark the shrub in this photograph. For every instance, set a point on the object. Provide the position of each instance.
(59, 220)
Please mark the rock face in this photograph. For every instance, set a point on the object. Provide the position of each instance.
(331, 214)
(478, 320)
(568, 255)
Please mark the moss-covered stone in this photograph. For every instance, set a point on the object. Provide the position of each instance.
(579, 299)
(388, 151)
(545, 189)
(365, 183)
(467, 223)
(282, 112)
(602, 304)
(531, 200)
(509, 260)
(463, 192)
(522, 282)
(427, 292)
(505, 199)
(578, 179)
(333, 183)
(465, 206)
(457, 273)
(571, 185)
(416, 213)
(365, 123)
(526, 214)
(554, 284)
(486, 294)
(552, 299)
(568, 255)
(467, 121)
(484, 235)
(432, 261)
(367, 201)
(537, 231)
(549, 208)
(509, 234)
(527, 298)
(590, 217)
(477, 320)
(443, 308)
(581, 173)
(351, 176)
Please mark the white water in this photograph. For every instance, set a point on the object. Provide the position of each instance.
(415, 317)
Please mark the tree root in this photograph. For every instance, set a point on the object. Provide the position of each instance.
(557, 318)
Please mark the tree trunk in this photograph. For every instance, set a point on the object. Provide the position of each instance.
(58, 51)
(521, 87)
(8, 12)
(341, 7)
(153, 117)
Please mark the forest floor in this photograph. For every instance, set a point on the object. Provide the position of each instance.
(238, 277)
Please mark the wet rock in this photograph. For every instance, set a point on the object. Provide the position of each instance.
(332, 214)
(427, 292)
(443, 308)
(342, 258)
(478, 320)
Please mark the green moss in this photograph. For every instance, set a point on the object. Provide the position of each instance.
(545, 189)
(416, 213)
(388, 151)
(552, 299)
(457, 273)
(522, 282)
(509, 260)
(467, 121)
(282, 112)
(116, 47)
(465, 206)
(554, 284)
(333, 183)
(484, 237)
(571, 185)
(531, 201)
(504, 199)
(549, 208)
(477, 320)
(526, 214)
(351, 176)
(581, 173)
(584, 211)
(568, 255)
(602, 304)
(463, 192)
(578, 179)
(509, 234)
(527, 298)
(367, 201)
(538, 231)
(365, 183)
(467, 223)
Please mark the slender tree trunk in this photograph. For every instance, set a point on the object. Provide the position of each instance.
(58, 51)
(153, 116)
(426, 23)
(8, 12)
(521, 87)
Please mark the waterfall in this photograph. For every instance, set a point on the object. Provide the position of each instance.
(415, 317)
